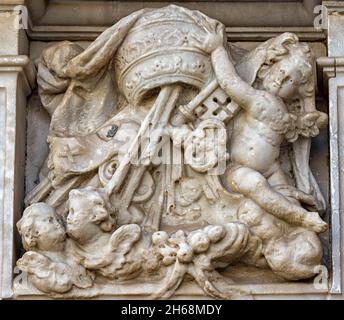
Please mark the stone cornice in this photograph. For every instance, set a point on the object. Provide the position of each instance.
(105, 13)
(21, 64)
(65, 20)
(329, 67)
(334, 7)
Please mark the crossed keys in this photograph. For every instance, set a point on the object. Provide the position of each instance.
(215, 103)
(211, 102)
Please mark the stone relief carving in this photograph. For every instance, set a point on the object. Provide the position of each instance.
(164, 159)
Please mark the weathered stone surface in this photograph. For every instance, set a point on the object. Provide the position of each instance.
(183, 202)
(222, 193)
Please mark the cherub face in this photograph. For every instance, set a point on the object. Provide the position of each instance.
(86, 212)
(191, 190)
(284, 77)
(41, 230)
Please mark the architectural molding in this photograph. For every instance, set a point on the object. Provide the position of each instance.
(328, 68)
(17, 78)
(81, 19)
(21, 64)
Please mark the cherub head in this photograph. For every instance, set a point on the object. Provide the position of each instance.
(190, 190)
(90, 213)
(282, 66)
(40, 229)
(287, 68)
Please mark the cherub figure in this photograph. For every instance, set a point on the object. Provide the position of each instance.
(98, 246)
(41, 230)
(58, 259)
(188, 209)
(46, 262)
(190, 191)
(265, 122)
(91, 216)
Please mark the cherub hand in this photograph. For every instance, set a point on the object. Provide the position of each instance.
(310, 123)
(213, 36)
(305, 198)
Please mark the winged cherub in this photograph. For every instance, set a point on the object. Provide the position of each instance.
(265, 123)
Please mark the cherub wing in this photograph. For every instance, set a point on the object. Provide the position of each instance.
(45, 274)
(304, 177)
(121, 243)
(123, 239)
(308, 122)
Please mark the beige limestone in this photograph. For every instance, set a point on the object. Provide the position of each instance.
(157, 219)
(273, 287)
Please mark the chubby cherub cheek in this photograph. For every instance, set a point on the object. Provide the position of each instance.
(30, 241)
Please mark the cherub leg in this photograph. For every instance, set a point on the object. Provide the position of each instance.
(295, 256)
(292, 253)
(253, 185)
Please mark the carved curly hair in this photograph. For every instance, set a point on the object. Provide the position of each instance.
(28, 225)
(301, 121)
(285, 46)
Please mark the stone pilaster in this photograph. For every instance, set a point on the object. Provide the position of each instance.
(332, 69)
(17, 78)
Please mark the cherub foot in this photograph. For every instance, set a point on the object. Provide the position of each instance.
(313, 222)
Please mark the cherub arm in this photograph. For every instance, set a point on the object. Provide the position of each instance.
(240, 91)
(212, 42)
